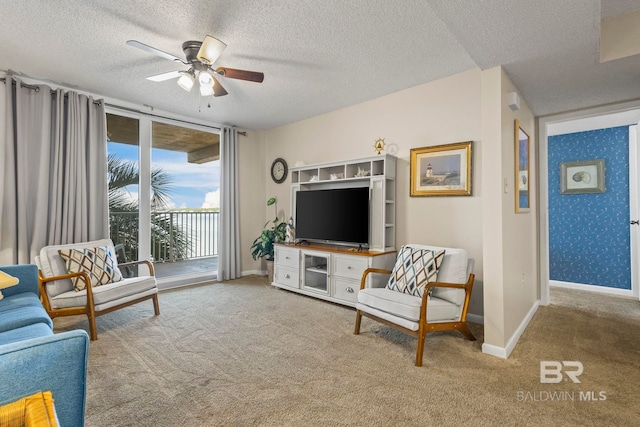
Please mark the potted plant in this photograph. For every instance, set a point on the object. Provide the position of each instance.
(262, 247)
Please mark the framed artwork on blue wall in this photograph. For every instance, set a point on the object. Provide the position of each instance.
(522, 142)
(582, 177)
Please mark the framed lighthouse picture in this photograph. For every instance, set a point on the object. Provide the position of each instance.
(441, 170)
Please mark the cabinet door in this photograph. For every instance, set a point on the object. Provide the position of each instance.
(346, 289)
(287, 257)
(315, 272)
(287, 276)
(350, 266)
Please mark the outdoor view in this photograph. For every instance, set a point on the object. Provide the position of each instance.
(184, 197)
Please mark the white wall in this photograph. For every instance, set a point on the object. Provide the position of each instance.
(510, 243)
(492, 179)
(521, 261)
(251, 181)
(470, 106)
(441, 112)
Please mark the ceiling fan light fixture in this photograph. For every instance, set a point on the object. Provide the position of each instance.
(206, 90)
(206, 83)
(205, 79)
(210, 50)
(198, 57)
(186, 80)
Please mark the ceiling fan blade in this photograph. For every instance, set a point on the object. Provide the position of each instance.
(210, 50)
(218, 90)
(154, 51)
(165, 76)
(232, 73)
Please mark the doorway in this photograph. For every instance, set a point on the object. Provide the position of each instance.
(588, 122)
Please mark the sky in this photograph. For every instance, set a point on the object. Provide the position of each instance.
(194, 185)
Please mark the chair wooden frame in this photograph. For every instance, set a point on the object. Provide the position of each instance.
(89, 308)
(424, 327)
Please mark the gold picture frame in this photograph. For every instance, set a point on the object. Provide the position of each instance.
(442, 170)
(522, 145)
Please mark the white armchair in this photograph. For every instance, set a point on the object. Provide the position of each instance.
(444, 309)
(60, 297)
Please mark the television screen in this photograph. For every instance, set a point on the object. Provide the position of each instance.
(333, 216)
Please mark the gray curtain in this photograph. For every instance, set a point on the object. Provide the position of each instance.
(53, 161)
(229, 236)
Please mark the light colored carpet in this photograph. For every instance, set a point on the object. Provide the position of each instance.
(243, 353)
(597, 304)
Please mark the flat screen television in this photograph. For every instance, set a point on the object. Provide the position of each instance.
(339, 216)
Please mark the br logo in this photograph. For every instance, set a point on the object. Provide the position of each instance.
(551, 371)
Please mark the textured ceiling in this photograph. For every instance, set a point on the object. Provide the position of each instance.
(318, 56)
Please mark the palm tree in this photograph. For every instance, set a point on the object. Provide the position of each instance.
(169, 240)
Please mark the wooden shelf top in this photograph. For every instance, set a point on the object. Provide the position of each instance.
(335, 249)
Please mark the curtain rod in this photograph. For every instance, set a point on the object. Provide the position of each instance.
(133, 110)
(37, 88)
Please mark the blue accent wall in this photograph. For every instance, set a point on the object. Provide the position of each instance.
(589, 239)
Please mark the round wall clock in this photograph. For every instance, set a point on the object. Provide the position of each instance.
(279, 170)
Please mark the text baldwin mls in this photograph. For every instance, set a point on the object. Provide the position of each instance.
(555, 372)
(550, 396)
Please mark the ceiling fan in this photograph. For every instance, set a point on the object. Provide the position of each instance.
(200, 57)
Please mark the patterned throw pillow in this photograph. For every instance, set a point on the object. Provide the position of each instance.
(99, 263)
(414, 269)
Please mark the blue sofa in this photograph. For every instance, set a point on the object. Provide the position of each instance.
(33, 358)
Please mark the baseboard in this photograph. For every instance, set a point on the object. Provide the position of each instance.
(591, 288)
(494, 350)
(505, 352)
(254, 272)
(475, 318)
(186, 280)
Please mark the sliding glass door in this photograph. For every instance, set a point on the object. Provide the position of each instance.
(185, 165)
(164, 195)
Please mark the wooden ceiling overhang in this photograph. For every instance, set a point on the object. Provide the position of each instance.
(201, 147)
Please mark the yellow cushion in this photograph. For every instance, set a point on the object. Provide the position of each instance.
(7, 281)
(35, 410)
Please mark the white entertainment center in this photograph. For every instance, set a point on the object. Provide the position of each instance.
(333, 272)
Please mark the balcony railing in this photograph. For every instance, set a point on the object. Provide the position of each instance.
(175, 235)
